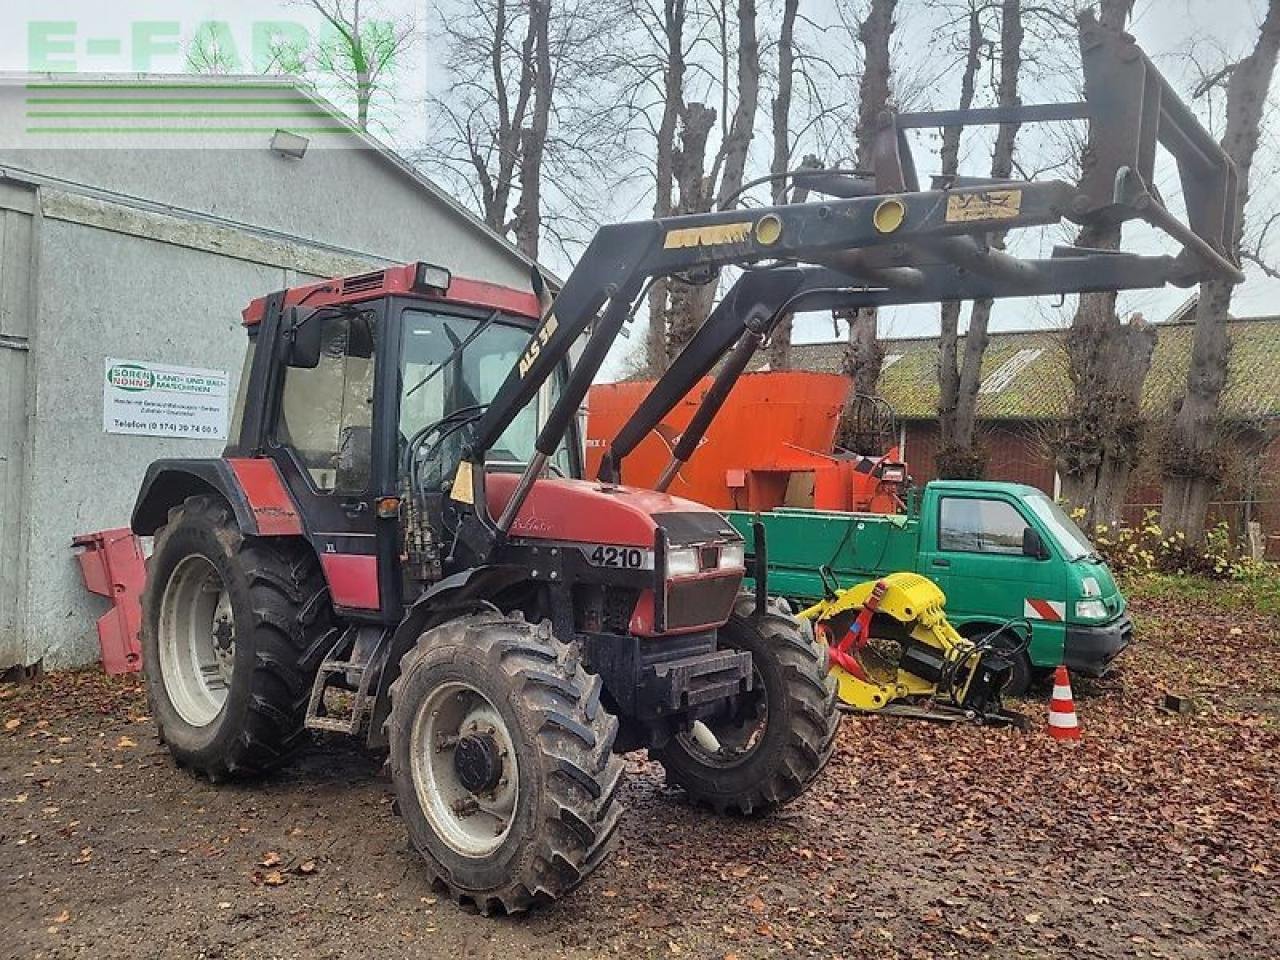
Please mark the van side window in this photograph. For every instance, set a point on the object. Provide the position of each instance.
(326, 411)
(979, 526)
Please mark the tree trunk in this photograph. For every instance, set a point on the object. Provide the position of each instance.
(1194, 454)
(948, 456)
(781, 108)
(864, 355)
(673, 18)
(685, 312)
(528, 215)
(1098, 440)
(691, 303)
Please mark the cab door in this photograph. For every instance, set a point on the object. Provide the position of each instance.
(322, 440)
(977, 558)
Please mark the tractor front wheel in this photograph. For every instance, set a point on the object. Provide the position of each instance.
(778, 737)
(225, 623)
(502, 759)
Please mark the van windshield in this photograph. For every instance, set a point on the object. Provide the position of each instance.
(1061, 527)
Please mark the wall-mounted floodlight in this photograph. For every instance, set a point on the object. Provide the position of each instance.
(289, 145)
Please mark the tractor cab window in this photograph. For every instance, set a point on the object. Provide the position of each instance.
(451, 367)
(326, 411)
(973, 525)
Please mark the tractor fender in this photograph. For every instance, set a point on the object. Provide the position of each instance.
(253, 488)
(453, 596)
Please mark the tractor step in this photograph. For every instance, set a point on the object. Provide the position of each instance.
(347, 670)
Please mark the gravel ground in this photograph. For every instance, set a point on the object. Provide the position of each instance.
(1155, 837)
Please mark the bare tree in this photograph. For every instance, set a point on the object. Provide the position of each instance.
(533, 139)
(959, 455)
(360, 53)
(672, 53)
(517, 127)
(213, 51)
(1098, 442)
(864, 354)
(950, 372)
(691, 302)
(1192, 455)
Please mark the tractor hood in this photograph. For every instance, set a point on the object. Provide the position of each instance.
(585, 511)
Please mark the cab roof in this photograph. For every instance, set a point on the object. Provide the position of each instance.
(402, 280)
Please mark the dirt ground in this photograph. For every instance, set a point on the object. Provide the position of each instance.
(1158, 836)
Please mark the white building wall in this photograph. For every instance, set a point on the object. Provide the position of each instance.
(150, 255)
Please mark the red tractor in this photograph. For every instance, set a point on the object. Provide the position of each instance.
(397, 541)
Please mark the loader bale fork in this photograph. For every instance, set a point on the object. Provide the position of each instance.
(410, 553)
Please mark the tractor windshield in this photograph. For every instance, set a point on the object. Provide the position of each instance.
(451, 367)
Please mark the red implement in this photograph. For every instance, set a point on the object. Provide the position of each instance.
(114, 567)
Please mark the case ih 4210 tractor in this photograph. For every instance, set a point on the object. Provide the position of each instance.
(397, 542)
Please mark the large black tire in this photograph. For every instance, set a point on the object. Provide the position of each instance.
(280, 609)
(801, 719)
(564, 813)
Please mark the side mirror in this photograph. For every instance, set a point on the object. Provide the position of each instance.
(1032, 545)
(306, 333)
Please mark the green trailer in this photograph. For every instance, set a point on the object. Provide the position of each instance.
(1000, 552)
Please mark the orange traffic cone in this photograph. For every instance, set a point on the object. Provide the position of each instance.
(1063, 724)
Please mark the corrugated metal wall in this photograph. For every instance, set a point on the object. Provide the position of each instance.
(16, 309)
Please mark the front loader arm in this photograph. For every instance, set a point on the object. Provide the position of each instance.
(879, 242)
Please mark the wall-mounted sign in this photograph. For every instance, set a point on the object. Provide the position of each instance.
(159, 400)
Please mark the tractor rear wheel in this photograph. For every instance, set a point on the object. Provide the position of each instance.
(781, 734)
(225, 623)
(502, 760)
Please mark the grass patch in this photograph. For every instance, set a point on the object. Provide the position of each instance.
(1258, 591)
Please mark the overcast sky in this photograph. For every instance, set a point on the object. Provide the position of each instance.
(1167, 29)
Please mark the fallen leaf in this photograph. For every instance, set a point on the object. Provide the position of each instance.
(608, 893)
(270, 859)
(742, 871)
(1032, 918)
(755, 904)
(273, 878)
(307, 866)
(125, 743)
(12, 724)
(63, 917)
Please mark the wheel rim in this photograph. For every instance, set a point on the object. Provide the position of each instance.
(197, 635)
(463, 763)
(737, 734)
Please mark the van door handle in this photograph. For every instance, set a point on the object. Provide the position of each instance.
(353, 508)
(940, 562)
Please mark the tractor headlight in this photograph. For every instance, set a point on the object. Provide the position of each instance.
(733, 556)
(1091, 610)
(682, 562)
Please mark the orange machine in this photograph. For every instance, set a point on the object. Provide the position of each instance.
(772, 445)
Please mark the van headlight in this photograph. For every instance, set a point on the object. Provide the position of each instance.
(682, 561)
(733, 556)
(1091, 610)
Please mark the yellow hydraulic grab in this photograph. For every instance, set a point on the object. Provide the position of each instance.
(889, 640)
